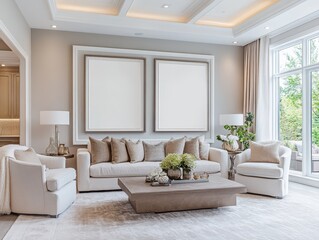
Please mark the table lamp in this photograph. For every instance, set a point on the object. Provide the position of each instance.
(55, 118)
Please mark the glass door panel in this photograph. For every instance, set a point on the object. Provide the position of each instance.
(290, 117)
(315, 121)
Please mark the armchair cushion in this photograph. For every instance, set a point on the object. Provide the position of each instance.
(58, 178)
(265, 152)
(258, 169)
(28, 155)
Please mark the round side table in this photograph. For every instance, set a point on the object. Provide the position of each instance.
(232, 157)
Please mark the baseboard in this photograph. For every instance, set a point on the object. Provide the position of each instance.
(304, 180)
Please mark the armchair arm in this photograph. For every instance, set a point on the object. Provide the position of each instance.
(285, 160)
(52, 162)
(242, 157)
(27, 185)
(220, 156)
(83, 162)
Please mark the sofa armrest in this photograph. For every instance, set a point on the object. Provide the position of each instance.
(220, 156)
(52, 162)
(83, 162)
(242, 157)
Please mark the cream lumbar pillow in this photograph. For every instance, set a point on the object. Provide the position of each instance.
(28, 156)
(154, 152)
(192, 147)
(204, 150)
(265, 152)
(119, 152)
(175, 146)
(135, 151)
(100, 150)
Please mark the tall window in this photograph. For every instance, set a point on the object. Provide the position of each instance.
(296, 80)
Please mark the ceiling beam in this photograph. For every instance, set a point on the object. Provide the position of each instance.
(125, 7)
(203, 11)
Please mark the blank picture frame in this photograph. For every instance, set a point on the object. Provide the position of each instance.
(114, 94)
(182, 96)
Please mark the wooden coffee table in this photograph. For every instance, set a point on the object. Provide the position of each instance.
(218, 192)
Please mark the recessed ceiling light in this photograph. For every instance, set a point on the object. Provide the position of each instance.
(235, 42)
(138, 34)
(165, 6)
(53, 26)
(267, 28)
(3, 65)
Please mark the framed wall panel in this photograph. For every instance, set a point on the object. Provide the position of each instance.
(114, 94)
(182, 95)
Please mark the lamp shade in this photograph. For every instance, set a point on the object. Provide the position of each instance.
(231, 119)
(54, 118)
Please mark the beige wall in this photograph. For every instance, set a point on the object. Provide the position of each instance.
(52, 76)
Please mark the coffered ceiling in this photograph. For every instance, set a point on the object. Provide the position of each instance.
(209, 21)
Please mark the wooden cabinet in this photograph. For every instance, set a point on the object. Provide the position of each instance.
(9, 93)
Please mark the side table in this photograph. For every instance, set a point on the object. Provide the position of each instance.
(232, 157)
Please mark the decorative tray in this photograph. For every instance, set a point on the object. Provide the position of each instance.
(201, 180)
(157, 184)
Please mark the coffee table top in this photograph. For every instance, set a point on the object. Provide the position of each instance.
(137, 186)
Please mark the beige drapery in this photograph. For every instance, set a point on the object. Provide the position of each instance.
(251, 77)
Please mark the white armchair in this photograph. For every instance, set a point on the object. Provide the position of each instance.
(264, 178)
(47, 189)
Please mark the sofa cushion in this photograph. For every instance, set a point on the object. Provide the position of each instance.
(58, 178)
(100, 150)
(175, 146)
(119, 151)
(264, 170)
(142, 169)
(204, 150)
(192, 147)
(135, 151)
(265, 152)
(207, 166)
(154, 152)
(28, 155)
(110, 170)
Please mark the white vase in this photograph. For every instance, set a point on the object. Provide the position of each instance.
(231, 147)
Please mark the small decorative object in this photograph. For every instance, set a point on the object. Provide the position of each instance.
(66, 150)
(51, 150)
(196, 176)
(188, 164)
(155, 174)
(204, 175)
(229, 142)
(163, 179)
(172, 165)
(61, 149)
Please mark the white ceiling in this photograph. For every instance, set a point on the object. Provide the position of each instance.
(208, 21)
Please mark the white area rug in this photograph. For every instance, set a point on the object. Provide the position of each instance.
(109, 215)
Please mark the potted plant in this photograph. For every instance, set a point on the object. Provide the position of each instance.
(188, 164)
(172, 165)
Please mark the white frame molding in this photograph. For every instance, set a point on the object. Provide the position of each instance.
(88, 50)
(25, 89)
(192, 112)
(100, 116)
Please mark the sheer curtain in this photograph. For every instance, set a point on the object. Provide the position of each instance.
(258, 88)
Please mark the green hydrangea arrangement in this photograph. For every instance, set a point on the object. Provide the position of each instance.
(171, 161)
(188, 161)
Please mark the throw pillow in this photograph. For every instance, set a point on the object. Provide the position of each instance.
(203, 150)
(265, 152)
(154, 152)
(119, 152)
(100, 150)
(192, 147)
(175, 146)
(28, 156)
(135, 151)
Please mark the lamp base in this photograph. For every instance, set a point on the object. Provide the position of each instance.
(51, 150)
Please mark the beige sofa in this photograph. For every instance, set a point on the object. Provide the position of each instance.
(104, 176)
